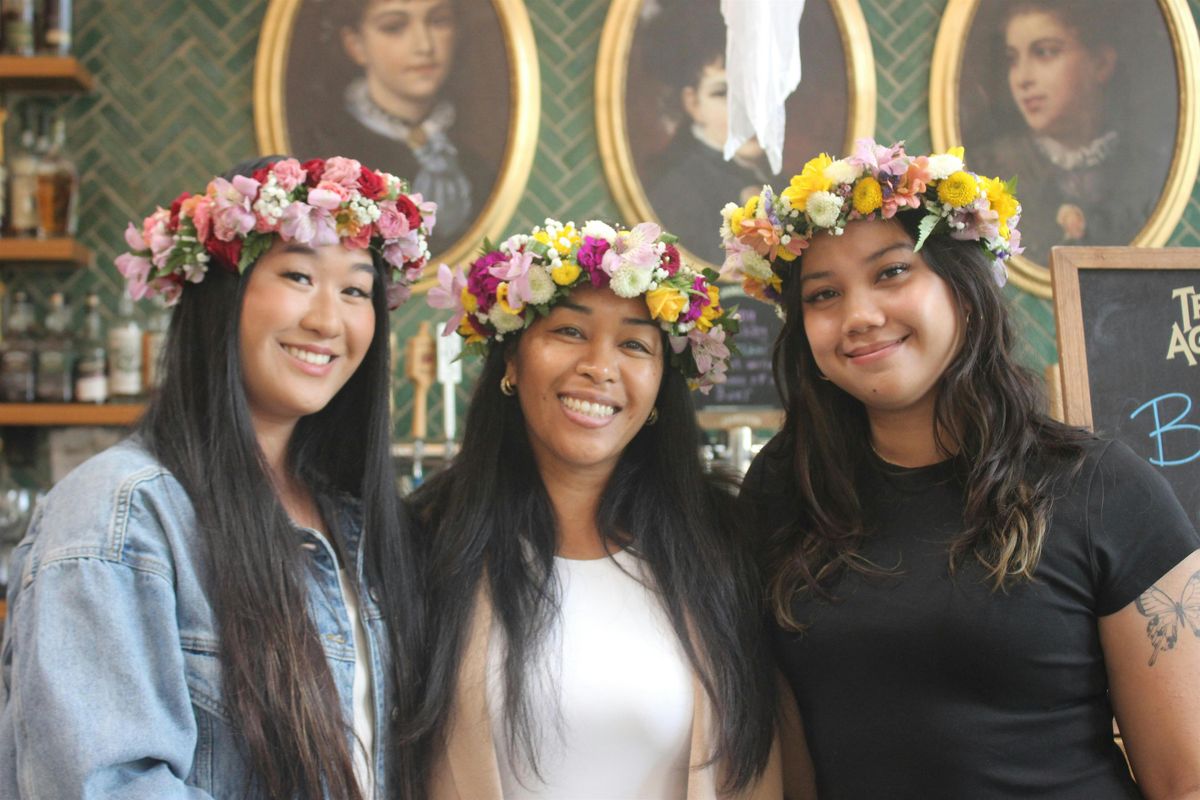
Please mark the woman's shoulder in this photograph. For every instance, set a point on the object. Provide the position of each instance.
(122, 505)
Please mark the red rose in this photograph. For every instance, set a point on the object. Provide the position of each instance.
(175, 206)
(670, 259)
(372, 186)
(410, 211)
(315, 169)
(261, 174)
(226, 254)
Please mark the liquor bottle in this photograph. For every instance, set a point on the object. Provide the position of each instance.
(3, 172)
(18, 26)
(152, 345)
(56, 355)
(18, 356)
(54, 28)
(57, 186)
(125, 354)
(22, 185)
(91, 376)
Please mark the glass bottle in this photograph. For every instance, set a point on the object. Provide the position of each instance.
(152, 345)
(56, 355)
(18, 356)
(57, 186)
(54, 28)
(18, 26)
(125, 353)
(3, 171)
(22, 185)
(91, 367)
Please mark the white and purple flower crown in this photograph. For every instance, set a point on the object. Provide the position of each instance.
(320, 202)
(762, 237)
(511, 285)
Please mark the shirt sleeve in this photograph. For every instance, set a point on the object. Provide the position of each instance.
(1137, 528)
(98, 705)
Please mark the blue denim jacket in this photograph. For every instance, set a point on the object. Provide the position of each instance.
(111, 679)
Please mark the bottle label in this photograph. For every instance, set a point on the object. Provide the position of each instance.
(152, 344)
(92, 384)
(125, 360)
(23, 194)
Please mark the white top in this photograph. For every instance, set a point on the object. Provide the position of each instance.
(364, 709)
(613, 691)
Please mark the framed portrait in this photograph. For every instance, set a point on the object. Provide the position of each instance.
(662, 114)
(443, 93)
(1090, 104)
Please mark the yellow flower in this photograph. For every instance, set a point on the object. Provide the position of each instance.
(958, 190)
(748, 210)
(665, 303)
(712, 311)
(466, 329)
(470, 304)
(868, 195)
(1003, 203)
(783, 254)
(565, 273)
(811, 179)
(502, 300)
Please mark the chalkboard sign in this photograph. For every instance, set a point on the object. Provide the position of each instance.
(749, 383)
(1129, 343)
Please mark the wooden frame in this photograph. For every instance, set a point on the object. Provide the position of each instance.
(612, 118)
(1066, 264)
(947, 128)
(524, 86)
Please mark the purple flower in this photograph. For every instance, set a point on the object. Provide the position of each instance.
(591, 252)
(448, 294)
(699, 299)
(481, 282)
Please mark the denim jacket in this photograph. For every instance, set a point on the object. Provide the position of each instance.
(110, 678)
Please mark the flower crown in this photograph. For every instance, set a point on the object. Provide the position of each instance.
(762, 237)
(512, 285)
(319, 202)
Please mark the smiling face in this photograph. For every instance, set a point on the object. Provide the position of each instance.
(307, 321)
(405, 47)
(1056, 82)
(882, 325)
(587, 376)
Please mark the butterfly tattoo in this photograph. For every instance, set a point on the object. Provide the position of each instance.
(1166, 616)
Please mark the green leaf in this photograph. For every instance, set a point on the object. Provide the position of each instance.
(928, 223)
(711, 275)
(253, 248)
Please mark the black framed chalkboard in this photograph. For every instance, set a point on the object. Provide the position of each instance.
(1129, 345)
(749, 384)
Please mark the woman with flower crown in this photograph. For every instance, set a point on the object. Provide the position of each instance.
(595, 617)
(197, 610)
(964, 591)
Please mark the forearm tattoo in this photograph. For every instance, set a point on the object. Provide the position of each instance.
(1167, 616)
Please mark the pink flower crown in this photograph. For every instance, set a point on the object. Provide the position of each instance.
(512, 285)
(319, 202)
(765, 235)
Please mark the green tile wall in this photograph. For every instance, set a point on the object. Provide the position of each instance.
(174, 103)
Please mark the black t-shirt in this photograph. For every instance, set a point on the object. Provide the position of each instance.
(926, 685)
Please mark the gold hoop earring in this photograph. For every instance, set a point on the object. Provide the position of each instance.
(822, 375)
(506, 387)
(653, 418)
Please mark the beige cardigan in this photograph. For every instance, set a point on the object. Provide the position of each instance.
(467, 768)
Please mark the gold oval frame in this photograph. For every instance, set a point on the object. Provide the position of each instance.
(1028, 275)
(612, 72)
(270, 118)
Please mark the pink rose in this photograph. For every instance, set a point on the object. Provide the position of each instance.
(360, 240)
(391, 223)
(288, 174)
(345, 172)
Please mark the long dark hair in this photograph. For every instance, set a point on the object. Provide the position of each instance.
(988, 413)
(490, 513)
(276, 681)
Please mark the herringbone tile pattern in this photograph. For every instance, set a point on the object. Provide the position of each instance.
(174, 102)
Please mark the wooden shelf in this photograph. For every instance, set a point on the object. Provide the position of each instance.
(44, 74)
(119, 414)
(44, 251)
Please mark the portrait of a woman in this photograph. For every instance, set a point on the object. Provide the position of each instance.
(1059, 111)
